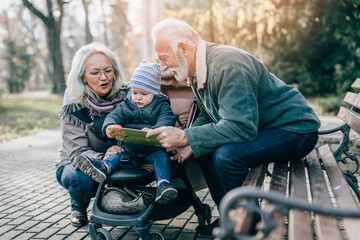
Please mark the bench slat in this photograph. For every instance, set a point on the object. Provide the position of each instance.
(327, 228)
(356, 85)
(279, 178)
(352, 99)
(278, 183)
(299, 221)
(254, 178)
(351, 118)
(341, 190)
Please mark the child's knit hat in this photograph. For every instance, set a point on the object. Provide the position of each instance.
(147, 76)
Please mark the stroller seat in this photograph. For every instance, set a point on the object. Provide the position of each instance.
(130, 174)
(182, 103)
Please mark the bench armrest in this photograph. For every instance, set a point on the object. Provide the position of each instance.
(342, 151)
(332, 130)
(234, 199)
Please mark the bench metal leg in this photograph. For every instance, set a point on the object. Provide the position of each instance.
(353, 182)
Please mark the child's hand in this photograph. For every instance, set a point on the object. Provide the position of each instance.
(109, 133)
(113, 150)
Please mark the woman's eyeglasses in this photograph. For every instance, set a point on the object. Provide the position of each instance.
(97, 73)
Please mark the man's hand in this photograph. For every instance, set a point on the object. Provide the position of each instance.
(169, 137)
(113, 150)
(182, 154)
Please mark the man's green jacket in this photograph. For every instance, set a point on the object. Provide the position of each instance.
(243, 97)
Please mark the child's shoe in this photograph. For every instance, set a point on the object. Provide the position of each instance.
(165, 193)
(92, 167)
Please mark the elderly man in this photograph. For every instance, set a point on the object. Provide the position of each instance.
(248, 117)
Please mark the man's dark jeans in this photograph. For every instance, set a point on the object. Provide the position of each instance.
(232, 161)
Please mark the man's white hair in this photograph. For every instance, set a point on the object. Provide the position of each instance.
(176, 31)
(75, 83)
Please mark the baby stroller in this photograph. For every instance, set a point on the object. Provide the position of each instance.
(183, 105)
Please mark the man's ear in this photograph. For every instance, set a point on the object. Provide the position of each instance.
(183, 48)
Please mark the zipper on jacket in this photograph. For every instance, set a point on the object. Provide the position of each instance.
(141, 114)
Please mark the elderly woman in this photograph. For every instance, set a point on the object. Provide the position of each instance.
(94, 88)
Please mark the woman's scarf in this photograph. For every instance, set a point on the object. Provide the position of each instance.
(83, 115)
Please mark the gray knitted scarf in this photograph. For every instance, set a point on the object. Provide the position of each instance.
(83, 114)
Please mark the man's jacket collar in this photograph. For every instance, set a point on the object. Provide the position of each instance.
(201, 69)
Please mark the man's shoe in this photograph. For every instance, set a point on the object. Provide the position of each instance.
(92, 167)
(207, 229)
(165, 193)
(78, 219)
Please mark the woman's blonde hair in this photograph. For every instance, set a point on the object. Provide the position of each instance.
(74, 82)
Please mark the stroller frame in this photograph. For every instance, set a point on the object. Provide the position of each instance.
(179, 94)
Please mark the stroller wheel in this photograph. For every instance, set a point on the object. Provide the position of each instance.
(103, 234)
(156, 235)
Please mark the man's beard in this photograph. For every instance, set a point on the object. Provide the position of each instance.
(182, 71)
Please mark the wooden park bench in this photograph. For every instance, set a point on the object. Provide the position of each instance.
(314, 198)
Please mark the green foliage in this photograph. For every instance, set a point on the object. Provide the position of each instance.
(21, 115)
(331, 103)
(314, 44)
(322, 53)
(20, 64)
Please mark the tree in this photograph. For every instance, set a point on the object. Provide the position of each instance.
(53, 29)
(321, 50)
(312, 44)
(34, 33)
(117, 29)
(20, 64)
(19, 60)
(89, 37)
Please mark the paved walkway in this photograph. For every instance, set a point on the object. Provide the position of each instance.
(34, 206)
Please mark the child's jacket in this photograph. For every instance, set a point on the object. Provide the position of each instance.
(156, 114)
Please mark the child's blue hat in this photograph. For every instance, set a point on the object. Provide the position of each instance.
(147, 76)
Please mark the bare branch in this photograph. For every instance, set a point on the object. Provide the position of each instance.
(34, 10)
(61, 6)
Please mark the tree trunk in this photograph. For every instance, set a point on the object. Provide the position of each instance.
(54, 45)
(89, 37)
(53, 42)
(106, 40)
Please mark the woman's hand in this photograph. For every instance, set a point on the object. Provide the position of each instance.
(113, 150)
(169, 137)
(181, 154)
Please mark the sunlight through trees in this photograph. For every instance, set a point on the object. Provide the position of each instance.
(312, 44)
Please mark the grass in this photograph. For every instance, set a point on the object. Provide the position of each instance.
(27, 113)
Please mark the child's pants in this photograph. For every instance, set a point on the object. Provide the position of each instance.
(160, 160)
